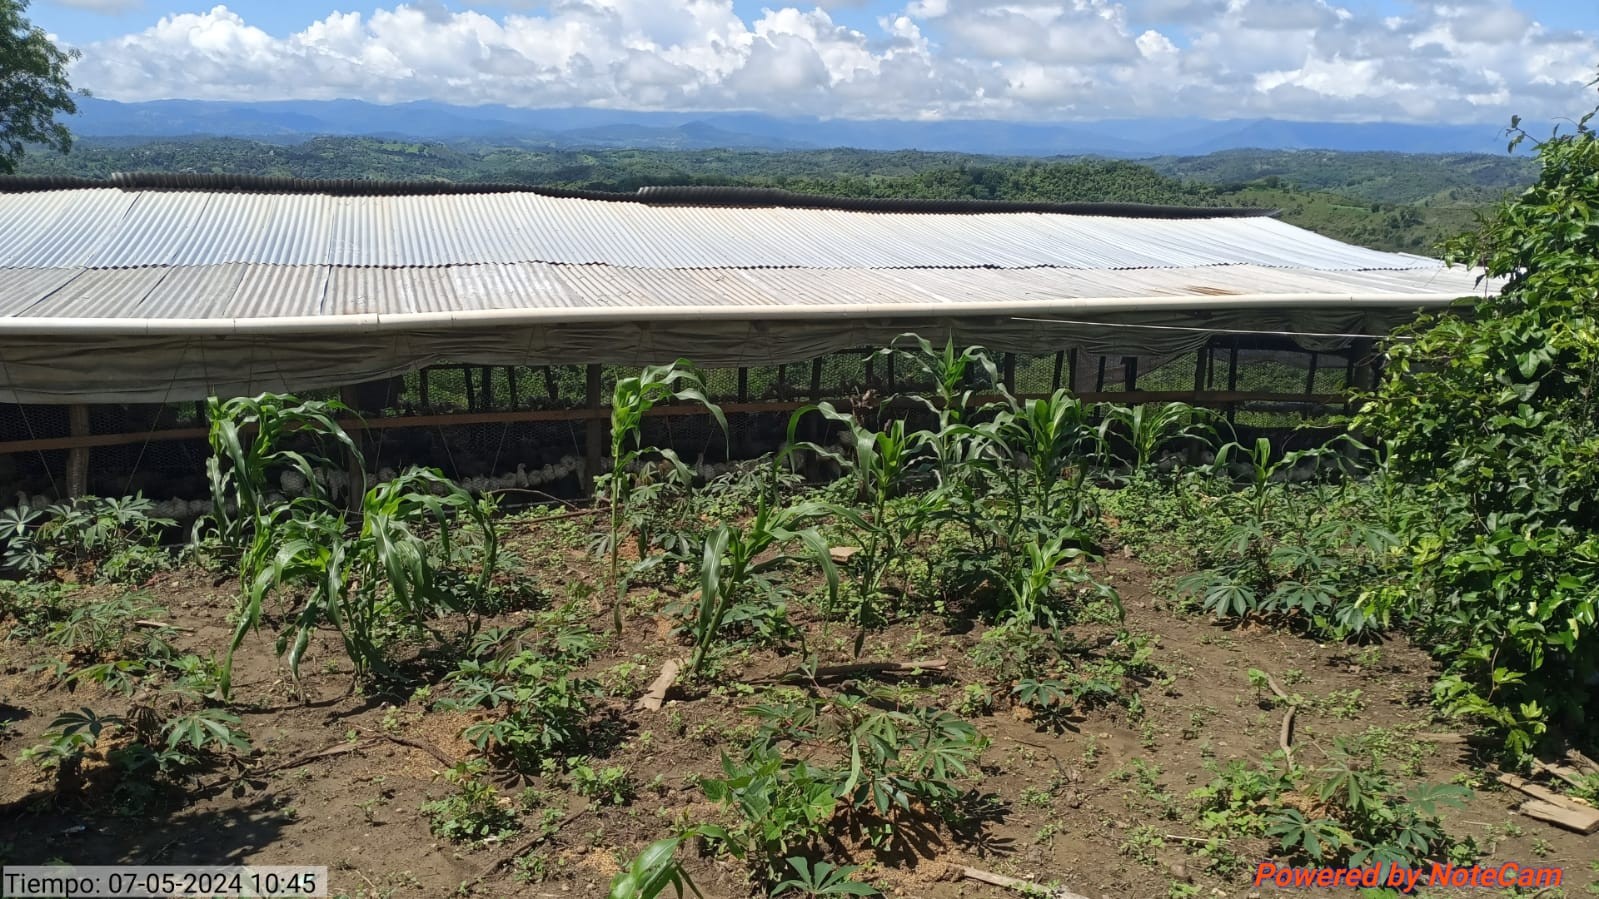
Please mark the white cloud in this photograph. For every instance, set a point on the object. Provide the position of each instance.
(1459, 60)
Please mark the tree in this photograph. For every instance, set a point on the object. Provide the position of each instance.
(33, 87)
(1495, 415)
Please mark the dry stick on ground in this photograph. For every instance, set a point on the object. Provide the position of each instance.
(830, 672)
(656, 695)
(428, 748)
(1588, 765)
(544, 835)
(1026, 887)
(308, 758)
(1285, 734)
(146, 622)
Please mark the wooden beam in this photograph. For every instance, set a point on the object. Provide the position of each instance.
(450, 419)
(78, 456)
(594, 434)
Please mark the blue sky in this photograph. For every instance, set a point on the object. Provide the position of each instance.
(1393, 60)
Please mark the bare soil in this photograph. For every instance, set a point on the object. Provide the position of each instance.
(338, 777)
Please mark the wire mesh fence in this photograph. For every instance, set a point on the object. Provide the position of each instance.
(487, 421)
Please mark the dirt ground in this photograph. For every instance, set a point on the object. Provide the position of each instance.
(1100, 807)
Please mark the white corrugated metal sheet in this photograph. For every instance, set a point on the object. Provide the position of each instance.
(265, 291)
(111, 228)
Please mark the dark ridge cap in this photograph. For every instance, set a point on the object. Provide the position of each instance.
(696, 195)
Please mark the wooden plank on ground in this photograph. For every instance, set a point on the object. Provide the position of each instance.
(1584, 821)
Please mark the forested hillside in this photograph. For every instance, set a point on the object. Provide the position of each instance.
(1390, 201)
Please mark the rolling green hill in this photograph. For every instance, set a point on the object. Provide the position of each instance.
(1389, 201)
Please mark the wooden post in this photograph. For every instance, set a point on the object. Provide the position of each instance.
(488, 386)
(1195, 446)
(1310, 379)
(1232, 380)
(743, 384)
(1060, 362)
(1362, 364)
(1009, 374)
(552, 384)
(422, 390)
(594, 433)
(816, 379)
(471, 392)
(1099, 381)
(1071, 370)
(78, 459)
(350, 396)
(1130, 373)
(893, 383)
(510, 379)
(782, 382)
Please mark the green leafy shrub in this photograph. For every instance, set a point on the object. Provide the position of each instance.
(1491, 414)
(871, 770)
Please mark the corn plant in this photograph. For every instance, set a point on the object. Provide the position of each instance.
(389, 566)
(1148, 428)
(650, 872)
(1050, 569)
(736, 557)
(248, 437)
(880, 463)
(952, 375)
(1054, 441)
(631, 401)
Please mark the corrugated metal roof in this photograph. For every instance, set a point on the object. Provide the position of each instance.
(266, 291)
(109, 228)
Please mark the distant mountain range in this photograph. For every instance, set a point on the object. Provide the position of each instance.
(294, 120)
